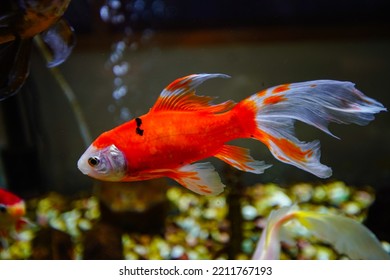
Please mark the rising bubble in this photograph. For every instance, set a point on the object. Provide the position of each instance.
(105, 13)
(119, 92)
(114, 4)
(121, 69)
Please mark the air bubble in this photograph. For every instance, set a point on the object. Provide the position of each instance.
(118, 19)
(139, 5)
(125, 114)
(114, 4)
(120, 46)
(118, 82)
(115, 57)
(105, 13)
(119, 93)
(121, 69)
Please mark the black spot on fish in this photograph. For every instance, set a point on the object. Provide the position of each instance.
(138, 130)
(138, 121)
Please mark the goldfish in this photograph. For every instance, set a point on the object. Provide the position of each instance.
(12, 210)
(30, 18)
(346, 235)
(20, 22)
(183, 128)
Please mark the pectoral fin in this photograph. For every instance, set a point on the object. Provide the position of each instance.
(15, 66)
(60, 40)
(200, 178)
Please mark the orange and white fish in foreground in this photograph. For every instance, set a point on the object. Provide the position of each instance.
(12, 210)
(183, 128)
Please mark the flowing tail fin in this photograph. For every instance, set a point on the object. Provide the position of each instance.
(346, 235)
(316, 103)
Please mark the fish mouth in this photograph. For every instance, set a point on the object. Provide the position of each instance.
(17, 210)
(82, 163)
(112, 166)
(82, 166)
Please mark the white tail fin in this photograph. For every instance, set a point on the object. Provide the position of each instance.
(316, 103)
(346, 235)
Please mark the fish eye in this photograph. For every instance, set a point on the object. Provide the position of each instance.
(93, 161)
(3, 209)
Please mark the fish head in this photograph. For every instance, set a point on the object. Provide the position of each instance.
(12, 208)
(17, 210)
(107, 163)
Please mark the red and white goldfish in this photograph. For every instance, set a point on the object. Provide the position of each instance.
(183, 128)
(12, 210)
(346, 235)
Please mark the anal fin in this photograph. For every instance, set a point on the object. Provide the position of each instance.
(239, 158)
(200, 178)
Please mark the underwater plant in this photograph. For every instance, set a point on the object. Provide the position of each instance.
(346, 235)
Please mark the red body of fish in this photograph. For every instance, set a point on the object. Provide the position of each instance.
(183, 128)
(172, 138)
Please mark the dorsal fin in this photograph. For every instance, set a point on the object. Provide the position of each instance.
(180, 96)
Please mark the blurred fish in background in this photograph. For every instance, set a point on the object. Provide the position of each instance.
(20, 22)
(346, 235)
(12, 211)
